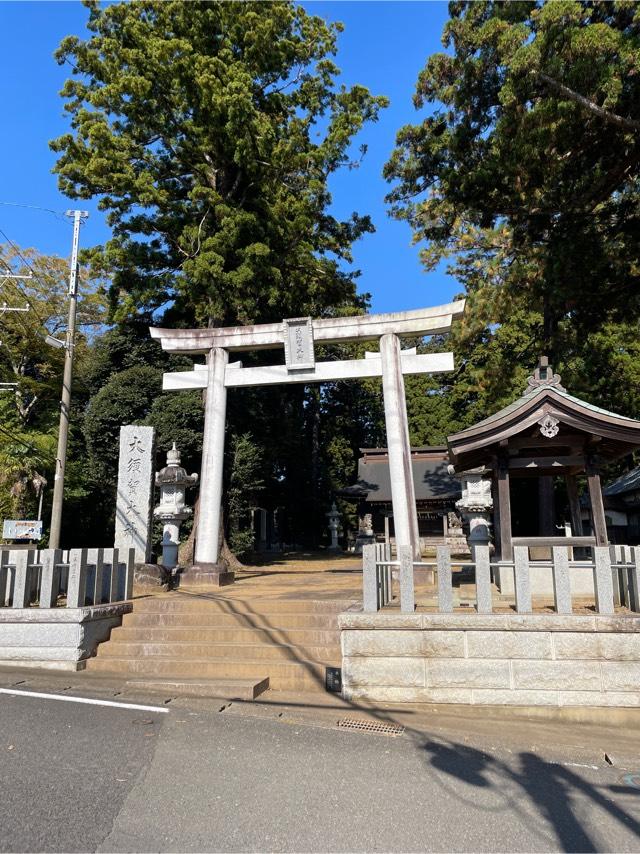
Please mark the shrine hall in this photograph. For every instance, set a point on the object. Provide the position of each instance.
(544, 434)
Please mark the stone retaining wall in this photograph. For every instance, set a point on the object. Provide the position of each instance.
(523, 660)
(56, 638)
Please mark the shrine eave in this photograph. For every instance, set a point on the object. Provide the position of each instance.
(615, 435)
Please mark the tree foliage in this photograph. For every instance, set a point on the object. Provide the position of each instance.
(32, 372)
(525, 168)
(245, 486)
(208, 131)
(524, 174)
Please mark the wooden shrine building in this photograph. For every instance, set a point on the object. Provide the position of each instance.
(436, 492)
(544, 434)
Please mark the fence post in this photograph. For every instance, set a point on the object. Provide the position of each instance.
(4, 576)
(388, 570)
(50, 578)
(369, 579)
(383, 580)
(445, 581)
(615, 556)
(561, 580)
(76, 586)
(483, 580)
(522, 581)
(603, 580)
(407, 595)
(129, 571)
(627, 576)
(114, 567)
(98, 579)
(21, 586)
(634, 580)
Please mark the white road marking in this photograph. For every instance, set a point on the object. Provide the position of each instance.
(88, 700)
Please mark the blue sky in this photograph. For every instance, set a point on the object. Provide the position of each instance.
(383, 47)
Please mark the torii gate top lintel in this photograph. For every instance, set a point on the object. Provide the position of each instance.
(265, 336)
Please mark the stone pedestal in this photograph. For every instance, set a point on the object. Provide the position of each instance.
(205, 575)
(365, 535)
(454, 536)
(149, 578)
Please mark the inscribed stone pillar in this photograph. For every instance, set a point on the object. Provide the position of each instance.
(135, 490)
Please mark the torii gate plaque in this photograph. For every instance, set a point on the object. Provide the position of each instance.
(297, 336)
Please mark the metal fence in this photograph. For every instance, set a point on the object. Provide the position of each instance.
(51, 578)
(615, 571)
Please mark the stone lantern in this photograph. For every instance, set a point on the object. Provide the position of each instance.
(172, 481)
(334, 523)
(476, 505)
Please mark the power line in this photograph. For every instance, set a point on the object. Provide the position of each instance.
(13, 436)
(29, 267)
(58, 214)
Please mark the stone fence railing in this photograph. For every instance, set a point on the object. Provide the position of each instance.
(51, 578)
(615, 571)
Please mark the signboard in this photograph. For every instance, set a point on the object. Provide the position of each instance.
(298, 344)
(21, 529)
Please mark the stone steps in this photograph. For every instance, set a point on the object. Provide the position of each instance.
(209, 634)
(283, 676)
(179, 603)
(224, 689)
(215, 619)
(214, 651)
(178, 637)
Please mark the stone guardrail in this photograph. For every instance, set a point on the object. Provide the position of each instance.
(615, 571)
(86, 576)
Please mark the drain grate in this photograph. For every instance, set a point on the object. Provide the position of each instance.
(371, 726)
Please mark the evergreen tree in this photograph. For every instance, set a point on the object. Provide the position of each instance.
(209, 131)
(524, 172)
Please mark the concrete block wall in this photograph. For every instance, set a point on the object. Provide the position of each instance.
(56, 638)
(472, 659)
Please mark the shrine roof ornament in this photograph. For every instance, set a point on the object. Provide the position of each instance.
(543, 376)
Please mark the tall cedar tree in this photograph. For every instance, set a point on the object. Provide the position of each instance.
(208, 131)
(525, 171)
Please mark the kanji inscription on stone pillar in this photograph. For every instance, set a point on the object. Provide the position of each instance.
(135, 490)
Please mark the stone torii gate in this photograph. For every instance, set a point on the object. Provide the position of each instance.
(298, 336)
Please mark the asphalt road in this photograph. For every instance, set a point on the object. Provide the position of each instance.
(90, 778)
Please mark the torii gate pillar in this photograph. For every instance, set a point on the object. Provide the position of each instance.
(403, 495)
(207, 552)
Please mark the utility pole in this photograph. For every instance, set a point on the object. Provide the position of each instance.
(65, 402)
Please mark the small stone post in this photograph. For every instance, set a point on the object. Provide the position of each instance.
(172, 510)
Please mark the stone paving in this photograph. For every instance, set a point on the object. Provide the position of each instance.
(320, 576)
